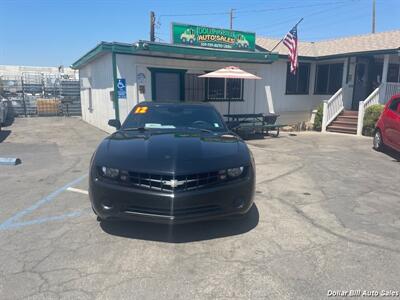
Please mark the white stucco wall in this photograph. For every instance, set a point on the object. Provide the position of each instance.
(99, 75)
(292, 108)
(129, 66)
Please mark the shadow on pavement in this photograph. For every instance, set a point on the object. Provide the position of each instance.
(183, 233)
(251, 137)
(10, 120)
(4, 134)
(393, 154)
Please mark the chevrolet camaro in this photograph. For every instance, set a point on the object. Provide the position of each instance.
(171, 163)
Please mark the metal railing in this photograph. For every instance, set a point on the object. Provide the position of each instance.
(372, 99)
(28, 93)
(388, 90)
(332, 108)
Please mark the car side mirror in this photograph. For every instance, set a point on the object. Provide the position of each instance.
(114, 123)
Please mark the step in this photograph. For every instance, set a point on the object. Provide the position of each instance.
(350, 113)
(345, 123)
(350, 118)
(341, 129)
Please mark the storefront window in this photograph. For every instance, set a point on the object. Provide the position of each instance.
(328, 78)
(393, 73)
(220, 89)
(298, 83)
(216, 88)
(194, 87)
(234, 89)
(90, 98)
(212, 89)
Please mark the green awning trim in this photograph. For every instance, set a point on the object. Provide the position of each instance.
(143, 48)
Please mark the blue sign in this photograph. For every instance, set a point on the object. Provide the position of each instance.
(121, 88)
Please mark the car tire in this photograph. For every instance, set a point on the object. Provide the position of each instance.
(378, 141)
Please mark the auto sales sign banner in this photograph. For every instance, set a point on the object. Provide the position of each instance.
(193, 35)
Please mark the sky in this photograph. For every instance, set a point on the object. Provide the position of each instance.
(58, 32)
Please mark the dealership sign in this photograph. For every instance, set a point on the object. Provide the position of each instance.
(194, 35)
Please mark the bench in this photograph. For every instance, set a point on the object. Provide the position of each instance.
(251, 124)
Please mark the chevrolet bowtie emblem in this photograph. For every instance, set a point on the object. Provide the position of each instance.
(173, 183)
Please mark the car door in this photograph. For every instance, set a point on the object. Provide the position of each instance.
(396, 131)
(392, 121)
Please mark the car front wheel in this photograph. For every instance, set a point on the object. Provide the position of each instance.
(378, 142)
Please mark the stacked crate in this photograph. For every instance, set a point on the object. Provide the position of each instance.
(48, 107)
(70, 97)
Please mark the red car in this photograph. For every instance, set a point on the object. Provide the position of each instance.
(387, 132)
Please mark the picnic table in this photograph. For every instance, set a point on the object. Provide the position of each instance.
(246, 124)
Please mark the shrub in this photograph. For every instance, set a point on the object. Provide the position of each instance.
(371, 116)
(318, 117)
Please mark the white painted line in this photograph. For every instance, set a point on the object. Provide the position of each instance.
(11, 161)
(71, 189)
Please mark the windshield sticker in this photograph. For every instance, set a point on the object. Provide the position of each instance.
(141, 110)
(156, 125)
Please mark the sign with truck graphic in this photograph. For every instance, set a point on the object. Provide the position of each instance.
(193, 35)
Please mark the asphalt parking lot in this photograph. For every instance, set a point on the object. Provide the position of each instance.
(326, 217)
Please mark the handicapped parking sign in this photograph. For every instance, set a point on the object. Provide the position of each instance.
(121, 88)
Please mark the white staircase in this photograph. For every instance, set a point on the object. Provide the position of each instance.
(336, 119)
(332, 108)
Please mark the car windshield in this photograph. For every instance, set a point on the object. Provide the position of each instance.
(173, 117)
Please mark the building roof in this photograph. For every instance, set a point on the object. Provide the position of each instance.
(145, 48)
(388, 41)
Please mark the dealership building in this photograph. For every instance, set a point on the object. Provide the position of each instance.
(116, 76)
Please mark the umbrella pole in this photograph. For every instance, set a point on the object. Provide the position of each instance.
(229, 109)
(229, 99)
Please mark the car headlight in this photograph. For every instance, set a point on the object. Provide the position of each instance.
(234, 172)
(110, 172)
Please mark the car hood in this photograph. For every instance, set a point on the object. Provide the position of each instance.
(178, 153)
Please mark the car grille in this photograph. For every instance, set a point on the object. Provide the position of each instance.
(206, 209)
(169, 183)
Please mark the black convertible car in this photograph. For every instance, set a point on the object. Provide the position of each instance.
(171, 163)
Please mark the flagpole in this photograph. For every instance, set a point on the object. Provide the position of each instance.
(285, 36)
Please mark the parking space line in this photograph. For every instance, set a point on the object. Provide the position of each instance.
(71, 189)
(9, 222)
(43, 220)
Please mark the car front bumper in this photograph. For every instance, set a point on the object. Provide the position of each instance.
(113, 201)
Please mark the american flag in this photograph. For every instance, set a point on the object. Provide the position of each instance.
(290, 41)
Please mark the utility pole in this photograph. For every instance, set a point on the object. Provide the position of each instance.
(152, 24)
(231, 18)
(373, 15)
